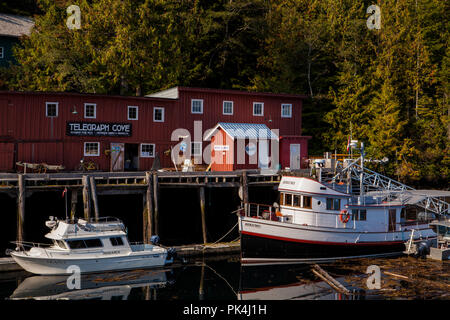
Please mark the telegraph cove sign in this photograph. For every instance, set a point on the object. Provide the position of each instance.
(98, 129)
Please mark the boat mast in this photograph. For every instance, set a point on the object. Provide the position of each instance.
(361, 180)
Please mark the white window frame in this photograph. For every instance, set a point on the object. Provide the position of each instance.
(90, 154)
(137, 112)
(162, 114)
(262, 109)
(192, 106)
(95, 110)
(2, 52)
(232, 108)
(146, 155)
(192, 148)
(46, 109)
(290, 110)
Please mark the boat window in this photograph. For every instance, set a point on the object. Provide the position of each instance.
(281, 199)
(296, 201)
(93, 243)
(288, 199)
(82, 244)
(307, 202)
(61, 244)
(359, 215)
(333, 204)
(116, 241)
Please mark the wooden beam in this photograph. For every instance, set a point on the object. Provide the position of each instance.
(86, 198)
(74, 200)
(148, 215)
(245, 191)
(156, 201)
(21, 208)
(94, 197)
(202, 211)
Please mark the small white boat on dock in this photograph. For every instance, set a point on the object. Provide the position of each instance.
(91, 246)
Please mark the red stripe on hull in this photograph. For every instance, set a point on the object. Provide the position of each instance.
(387, 243)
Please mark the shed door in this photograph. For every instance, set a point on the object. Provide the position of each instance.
(6, 156)
(117, 156)
(263, 154)
(294, 156)
(392, 219)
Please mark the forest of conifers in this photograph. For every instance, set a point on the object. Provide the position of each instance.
(386, 85)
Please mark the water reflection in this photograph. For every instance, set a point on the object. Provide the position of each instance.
(200, 280)
(106, 286)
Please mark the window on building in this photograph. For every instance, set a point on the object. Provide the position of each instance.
(197, 106)
(258, 108)
(147, 150)
(307, 202)
(51, 109)
(286, 110)
(92, 149)
(228, 107)
(196, 148)
(333, 204)
(116, 241)
(133, 112)
(2, 52)
(296, 202)
(158, 114)
(90, 110)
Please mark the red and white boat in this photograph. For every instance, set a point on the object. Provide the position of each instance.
(318, 221)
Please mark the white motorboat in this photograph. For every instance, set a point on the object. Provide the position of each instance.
(88, 246)
(324, 220)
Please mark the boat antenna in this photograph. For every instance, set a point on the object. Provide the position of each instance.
(361, 182)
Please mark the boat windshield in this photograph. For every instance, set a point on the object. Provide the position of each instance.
(60, 244)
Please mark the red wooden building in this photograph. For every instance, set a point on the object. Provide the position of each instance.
(126, 133)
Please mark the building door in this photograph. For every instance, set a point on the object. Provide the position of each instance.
(117, 156)
(392, 219)
(294, 156)
(131, 157)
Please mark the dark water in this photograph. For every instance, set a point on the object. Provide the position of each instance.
(223, 278)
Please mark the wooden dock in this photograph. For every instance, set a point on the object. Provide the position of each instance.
(89, 185)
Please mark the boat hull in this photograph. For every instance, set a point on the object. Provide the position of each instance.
(62, 266)
(266, 242)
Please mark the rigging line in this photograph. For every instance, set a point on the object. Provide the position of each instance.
(205, 246)
(220, 276)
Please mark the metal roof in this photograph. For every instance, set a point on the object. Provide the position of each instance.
(15, 26)
(244, 131)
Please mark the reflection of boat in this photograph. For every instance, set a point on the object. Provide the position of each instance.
(83, 246)
(338, 219)
(282, 282)
(104, 286)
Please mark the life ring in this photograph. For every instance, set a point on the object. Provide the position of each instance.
(344, 216)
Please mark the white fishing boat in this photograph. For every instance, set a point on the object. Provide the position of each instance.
(88, 246)
(318, 220)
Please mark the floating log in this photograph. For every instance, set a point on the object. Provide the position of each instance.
(318, 271)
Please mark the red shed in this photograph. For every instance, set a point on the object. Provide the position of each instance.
(237, 146)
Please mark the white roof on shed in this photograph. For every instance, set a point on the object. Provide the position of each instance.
(15, 26)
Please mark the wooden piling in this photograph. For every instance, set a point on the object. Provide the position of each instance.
(73, 201)
(149, 206)
(94, 197)
(156, 201)
(245, 191)
(21, 208)
(86, 198)
(202, 210)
